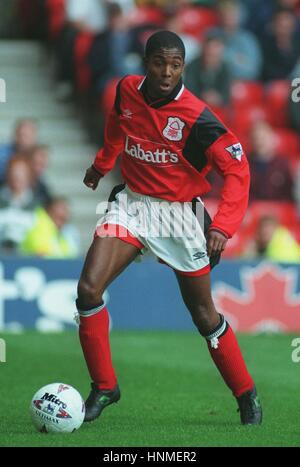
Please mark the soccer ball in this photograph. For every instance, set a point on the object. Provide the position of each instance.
(57, 408)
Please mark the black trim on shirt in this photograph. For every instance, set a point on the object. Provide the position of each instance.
(117, 103)
(205, 131)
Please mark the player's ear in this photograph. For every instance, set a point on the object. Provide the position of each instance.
(145, 62)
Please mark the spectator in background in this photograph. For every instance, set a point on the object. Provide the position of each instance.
(242, 50)
(281, 45)
(85, 16)
(273, 241)
(209, 76)
(17, 203)
(25, 138)
(51, 235)
(109, 56)
(38, 161)
(17, 191)
(271, 178)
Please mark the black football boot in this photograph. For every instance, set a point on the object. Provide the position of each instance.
(250, 408)
(98, 400)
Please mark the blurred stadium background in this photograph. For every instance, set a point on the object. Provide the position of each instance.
(60, 61)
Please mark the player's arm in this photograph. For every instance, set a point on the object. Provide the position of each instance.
(227, 157)
(215, 146)
(113, 146)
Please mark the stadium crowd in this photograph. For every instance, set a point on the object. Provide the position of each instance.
(32, 221)
(240, 62)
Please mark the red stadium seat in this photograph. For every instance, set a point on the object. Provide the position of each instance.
(285, 212)
(83, 72)
(277, 97)
(243, 118)
(56, 16)
(287, 143)
(245, 93)
(196, 20)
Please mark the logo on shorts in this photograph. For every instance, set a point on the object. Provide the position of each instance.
(173, 130)
(199, 255)
(236, 151)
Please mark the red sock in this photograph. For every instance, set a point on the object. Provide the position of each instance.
(229, 360)
(94, 339)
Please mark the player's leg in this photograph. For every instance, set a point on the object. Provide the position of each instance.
(222, 344)
(105, 260)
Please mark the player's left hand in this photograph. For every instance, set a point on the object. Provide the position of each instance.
(216, 242)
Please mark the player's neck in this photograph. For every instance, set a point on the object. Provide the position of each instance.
(152, 100)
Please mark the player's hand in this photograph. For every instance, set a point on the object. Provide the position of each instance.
(92, 178)
(216, 242)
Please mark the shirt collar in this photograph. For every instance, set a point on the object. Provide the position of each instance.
(175, 94)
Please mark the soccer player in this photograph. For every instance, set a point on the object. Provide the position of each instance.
(168, 140)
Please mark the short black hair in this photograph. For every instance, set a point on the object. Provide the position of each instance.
(164, 40)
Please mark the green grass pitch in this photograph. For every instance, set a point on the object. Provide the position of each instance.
(172, 394)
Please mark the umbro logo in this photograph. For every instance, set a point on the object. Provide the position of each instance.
(199, 255)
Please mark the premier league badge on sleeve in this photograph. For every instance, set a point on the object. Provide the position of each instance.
(173, 130)
(236, 151)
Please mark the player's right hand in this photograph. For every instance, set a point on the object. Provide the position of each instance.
(92, 178)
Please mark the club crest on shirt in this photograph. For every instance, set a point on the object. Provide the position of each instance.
(173, 130)
(236, 151)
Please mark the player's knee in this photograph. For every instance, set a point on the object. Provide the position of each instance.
(204, 317)
(88, 294)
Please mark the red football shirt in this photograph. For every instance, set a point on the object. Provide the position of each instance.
(168, 147)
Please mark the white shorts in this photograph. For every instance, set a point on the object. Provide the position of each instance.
(171, 231)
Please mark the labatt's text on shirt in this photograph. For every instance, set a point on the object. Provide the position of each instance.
(158, 156)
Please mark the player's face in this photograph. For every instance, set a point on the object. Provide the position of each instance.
(164, 69)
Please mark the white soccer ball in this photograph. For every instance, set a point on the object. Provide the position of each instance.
(57, 408)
